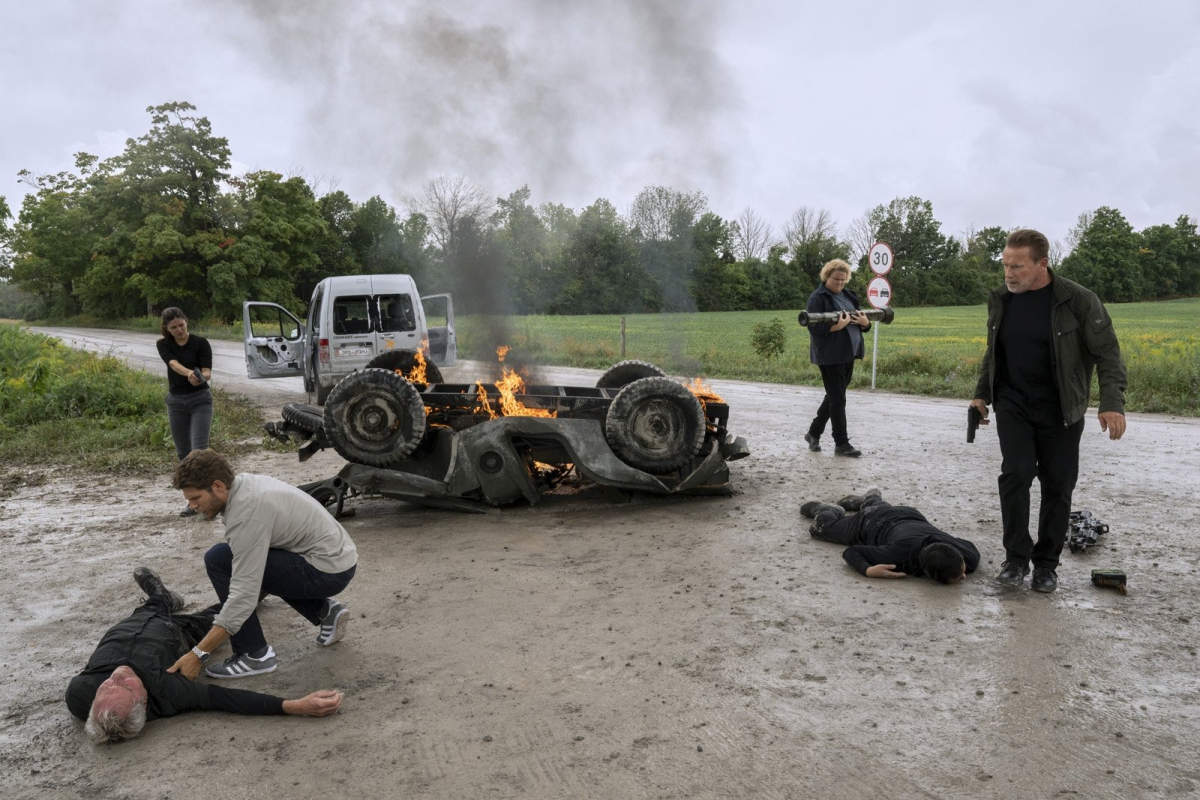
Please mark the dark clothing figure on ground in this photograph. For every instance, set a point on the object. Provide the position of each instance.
(834, 353)
(885, 534)
(149, 641)
(1045, 337)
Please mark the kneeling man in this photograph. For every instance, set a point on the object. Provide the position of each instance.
(126, 683)
(886, 541)
(278, 540)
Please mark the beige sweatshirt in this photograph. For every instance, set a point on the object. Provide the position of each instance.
(264, 513)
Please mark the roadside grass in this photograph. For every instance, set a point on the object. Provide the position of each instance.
(64, 408)
(925, 351)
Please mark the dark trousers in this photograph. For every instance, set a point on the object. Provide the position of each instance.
(836, 378)
(191, 628)
(190, 416)
(288, 576)
(1035, 443)
(834, 525)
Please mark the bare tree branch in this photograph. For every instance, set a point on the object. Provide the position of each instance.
(450, 202)
(752, 235)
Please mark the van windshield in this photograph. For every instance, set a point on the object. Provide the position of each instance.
(396, 313)
(351, 315)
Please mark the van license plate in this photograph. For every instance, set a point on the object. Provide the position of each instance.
(349, 352)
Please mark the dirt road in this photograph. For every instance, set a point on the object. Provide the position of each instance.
(664, 648)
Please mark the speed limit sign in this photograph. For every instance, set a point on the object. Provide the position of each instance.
(880, 257)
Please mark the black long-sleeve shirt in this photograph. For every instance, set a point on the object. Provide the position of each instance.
(196, 353)
(148, 643)
(896, 535)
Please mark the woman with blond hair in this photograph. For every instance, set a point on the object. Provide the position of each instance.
(833, 347)
(189, 400)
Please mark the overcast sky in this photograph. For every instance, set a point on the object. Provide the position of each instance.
(1020, 113)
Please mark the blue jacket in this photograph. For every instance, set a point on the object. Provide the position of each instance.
(831, 348)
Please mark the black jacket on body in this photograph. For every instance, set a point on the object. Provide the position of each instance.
(896, 535)
(1084, 340)
(149, 643)
(826, 347)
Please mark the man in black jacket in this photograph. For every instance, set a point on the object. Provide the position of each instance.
(1045, 336)
(886, 541)
(126, 683)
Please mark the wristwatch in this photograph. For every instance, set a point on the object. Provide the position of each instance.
(200, 654)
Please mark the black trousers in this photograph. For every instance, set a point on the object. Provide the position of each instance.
(190, 628)
(1035, 444)
(836, 378)
(835, 525)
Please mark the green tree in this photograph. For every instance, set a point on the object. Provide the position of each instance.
(1160, 251)
(1189, 258)
(600, 267)
(525, 251)
(923, 254)
(718, 282)
(1106, 258)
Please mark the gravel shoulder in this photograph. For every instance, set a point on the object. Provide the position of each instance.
(659, 648)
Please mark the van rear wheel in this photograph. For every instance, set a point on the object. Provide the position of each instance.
(374, 417)
(406, 361)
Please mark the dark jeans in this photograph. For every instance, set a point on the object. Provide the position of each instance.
(836, 378)
(1035, 443)
(834, 525)
(190, 416)
(288, 576)
(190, 627)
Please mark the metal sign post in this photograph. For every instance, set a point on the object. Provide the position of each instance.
(879, 291)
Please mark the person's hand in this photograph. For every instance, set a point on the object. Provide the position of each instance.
(883, 571)
(317, 704)
(983, 410)
(192, 379)
(860, 319)
(843, 321)
(1113, 422)
(188, 666)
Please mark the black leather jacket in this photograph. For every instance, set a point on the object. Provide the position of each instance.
(1084, 340)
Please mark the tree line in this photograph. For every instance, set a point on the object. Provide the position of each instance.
(167, 223)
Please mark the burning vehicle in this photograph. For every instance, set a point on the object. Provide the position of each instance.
(471, 446)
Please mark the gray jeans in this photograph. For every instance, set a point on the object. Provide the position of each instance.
(190, 416)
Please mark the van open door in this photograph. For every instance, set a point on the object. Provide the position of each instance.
(439, 321)
(274, 341)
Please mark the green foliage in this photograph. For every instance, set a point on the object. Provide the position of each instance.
(769, 339)
(1106, 258)
(66, 407)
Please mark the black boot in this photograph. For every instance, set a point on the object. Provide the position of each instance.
(151, 584)
(857, 502)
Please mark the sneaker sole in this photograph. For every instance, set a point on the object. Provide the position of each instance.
(332, 633)
(246, 674)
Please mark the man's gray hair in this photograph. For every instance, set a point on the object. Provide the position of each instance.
(107, 726)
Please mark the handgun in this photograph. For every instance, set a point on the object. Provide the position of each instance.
(973, 418)
(200, 377)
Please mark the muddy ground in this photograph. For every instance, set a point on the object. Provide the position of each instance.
(664, 647)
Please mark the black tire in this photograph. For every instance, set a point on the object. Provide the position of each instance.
(374, 417)
(624, 373)
(405, 360)
(318, 395)
(655, 424)
(308, 418)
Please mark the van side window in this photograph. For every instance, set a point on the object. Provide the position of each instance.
(351, 315)
(396, 313)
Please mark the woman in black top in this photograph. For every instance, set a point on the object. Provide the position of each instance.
(833, 347)
(189, 400)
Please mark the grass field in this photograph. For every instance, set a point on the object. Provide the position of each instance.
(927, 351)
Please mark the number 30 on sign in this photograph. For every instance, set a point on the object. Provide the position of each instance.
(880, 257)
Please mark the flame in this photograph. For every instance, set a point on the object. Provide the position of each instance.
(417, 373)
(704, 392)
(510, 385)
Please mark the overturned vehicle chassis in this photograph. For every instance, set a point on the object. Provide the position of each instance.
(470, 446)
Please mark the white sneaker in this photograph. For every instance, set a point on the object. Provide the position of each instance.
(241, 665)
(335, 618)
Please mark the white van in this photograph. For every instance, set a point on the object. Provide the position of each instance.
(353, 320)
